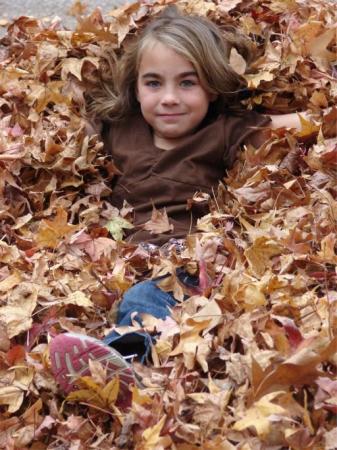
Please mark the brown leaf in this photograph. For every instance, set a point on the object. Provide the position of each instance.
(159, 222)
(301, 368)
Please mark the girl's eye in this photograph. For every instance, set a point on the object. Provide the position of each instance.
(187, 83)
(152, 83)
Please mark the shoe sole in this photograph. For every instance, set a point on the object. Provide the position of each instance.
(70, 354)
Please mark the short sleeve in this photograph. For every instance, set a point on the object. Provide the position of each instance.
(238, 129)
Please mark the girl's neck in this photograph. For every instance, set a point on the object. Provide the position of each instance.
(165, 144)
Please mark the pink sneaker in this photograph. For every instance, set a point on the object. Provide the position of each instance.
(70, 354)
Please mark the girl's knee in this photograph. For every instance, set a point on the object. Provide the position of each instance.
(145, 297)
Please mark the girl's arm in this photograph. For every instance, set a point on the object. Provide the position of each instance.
(291, 120)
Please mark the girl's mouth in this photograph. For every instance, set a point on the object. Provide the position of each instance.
(170, 115)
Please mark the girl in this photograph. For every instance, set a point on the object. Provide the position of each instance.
(171, 131)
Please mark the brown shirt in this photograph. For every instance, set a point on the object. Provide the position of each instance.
(167, 178)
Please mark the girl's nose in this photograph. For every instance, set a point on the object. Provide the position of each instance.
(170, 97)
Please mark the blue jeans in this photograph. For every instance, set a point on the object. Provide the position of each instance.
(144, 297)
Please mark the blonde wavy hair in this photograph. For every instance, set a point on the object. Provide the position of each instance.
(195, 38)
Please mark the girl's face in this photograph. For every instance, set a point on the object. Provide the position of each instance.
(171, 98)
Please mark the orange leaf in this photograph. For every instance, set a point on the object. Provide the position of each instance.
(16, 354)
(52, 231)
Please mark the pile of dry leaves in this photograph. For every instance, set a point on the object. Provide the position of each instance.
(249, 361)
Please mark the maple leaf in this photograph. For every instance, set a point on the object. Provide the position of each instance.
(151, 435)
(259, 254)
(41, 95)
(259, 415)
(17, 314)
(75, 66)
(308, 128)
(94, 247)
(51, 232)
(96, 394)
(116, 226)
(12, 395)
(192, 345)
(159, 222)
(77, 298)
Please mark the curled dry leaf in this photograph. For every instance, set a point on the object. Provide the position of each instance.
(262, 322)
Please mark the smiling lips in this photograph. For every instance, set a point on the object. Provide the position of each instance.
(170, 116)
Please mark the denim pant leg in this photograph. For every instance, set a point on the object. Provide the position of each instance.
(144, 297)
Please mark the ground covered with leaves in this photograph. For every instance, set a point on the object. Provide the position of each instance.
(249, 360)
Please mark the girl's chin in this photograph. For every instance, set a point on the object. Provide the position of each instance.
(171, 133)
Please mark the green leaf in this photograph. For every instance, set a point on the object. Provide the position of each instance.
(116, 226)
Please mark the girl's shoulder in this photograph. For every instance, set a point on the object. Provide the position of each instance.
(238, 129)
(237, 121)
(246, 118)
(239, 126)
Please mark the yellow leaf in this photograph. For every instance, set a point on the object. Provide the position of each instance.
(110, 392)
(8, 253)
(87, 396)
(52, 231)
(78, 298)
(319, 99)
(199, 397)
(250, 26)
(151, 434)
(199, 7)
(13, 395)
(283, 6)
(192, 346)
(163, 348)
(89, 383)
(318, 49)
(254, 80)
(307, 127)
(43, 94)
(260, 253)
(251, 295)
(95, 393)
(8, 283)
(138, 397)
(18, 314)
(258, 415)
(210, 312)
